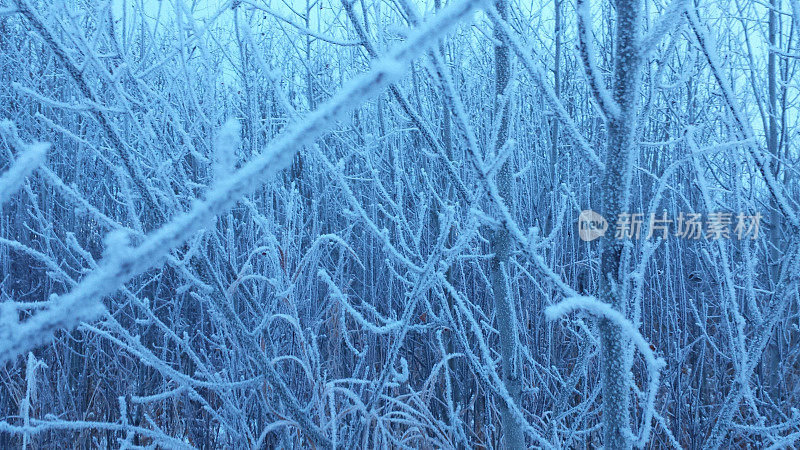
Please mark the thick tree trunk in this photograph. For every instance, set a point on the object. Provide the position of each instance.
(772, 372)
(614, 197)
(513, 437)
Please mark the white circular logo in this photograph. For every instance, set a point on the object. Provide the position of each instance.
(591, 225)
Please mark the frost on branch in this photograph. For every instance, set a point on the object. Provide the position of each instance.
(339, 224)
(654, 363)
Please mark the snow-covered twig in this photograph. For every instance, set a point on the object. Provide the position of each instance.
(83, 302)
(541, 80)
(29, 157)
(608, 105)
(654, 363)
(670, 19)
